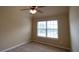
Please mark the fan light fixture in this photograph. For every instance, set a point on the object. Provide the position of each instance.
(33, 11)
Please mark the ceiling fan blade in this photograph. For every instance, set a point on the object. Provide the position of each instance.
(24, 9)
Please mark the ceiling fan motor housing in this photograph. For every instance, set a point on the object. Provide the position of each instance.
(34, 7)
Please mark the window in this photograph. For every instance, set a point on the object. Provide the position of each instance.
(41, 26)
(52, 29)
(47, 29)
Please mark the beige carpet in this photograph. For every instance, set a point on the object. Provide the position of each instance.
(36, 47)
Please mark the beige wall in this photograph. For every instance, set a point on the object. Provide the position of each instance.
(74, 27)
(15, 27)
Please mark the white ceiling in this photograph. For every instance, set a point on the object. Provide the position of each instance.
(52, 10)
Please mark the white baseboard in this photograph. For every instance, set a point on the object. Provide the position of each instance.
(5, 50)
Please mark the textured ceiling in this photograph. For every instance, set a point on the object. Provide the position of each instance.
(52, 10)
(48, 10)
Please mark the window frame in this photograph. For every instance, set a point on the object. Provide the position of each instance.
(46, 29)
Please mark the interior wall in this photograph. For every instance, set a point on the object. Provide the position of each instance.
(74, 28)
(15, 27)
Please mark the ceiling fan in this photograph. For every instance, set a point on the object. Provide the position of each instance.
(33, 9)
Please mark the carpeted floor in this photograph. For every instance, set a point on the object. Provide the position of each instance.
(36, 47)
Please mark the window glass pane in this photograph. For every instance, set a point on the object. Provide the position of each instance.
(55, 24)
(41, 24)
(41, 28)
(50, 33)
(41, 32)
(55, 34)
(52, 24)
(52, 29)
